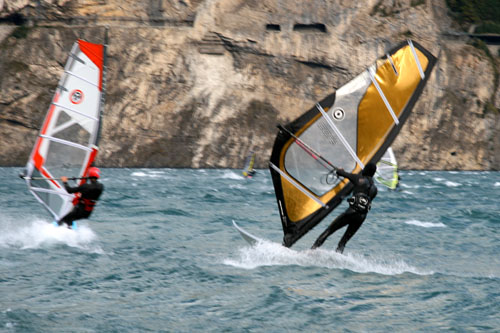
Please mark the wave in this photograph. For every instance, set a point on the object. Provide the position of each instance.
(446, 182)
(40, 234)
(138, 174)
(267, 253)
(426, 224)
(150, 174)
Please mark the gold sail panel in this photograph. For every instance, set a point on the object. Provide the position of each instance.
(374, 120)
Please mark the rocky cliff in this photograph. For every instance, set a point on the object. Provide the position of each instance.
(200, 83)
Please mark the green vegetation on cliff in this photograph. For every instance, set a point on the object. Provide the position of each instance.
(485, 14)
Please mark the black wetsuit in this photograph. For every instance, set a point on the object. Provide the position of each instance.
(363, 193)
(90, 193)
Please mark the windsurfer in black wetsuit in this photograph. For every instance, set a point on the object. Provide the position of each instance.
(363, 193)
(87, 196)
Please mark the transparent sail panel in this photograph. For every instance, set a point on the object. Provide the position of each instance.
(68, 129)
(53, 201)
(39, 182)
(64, 160)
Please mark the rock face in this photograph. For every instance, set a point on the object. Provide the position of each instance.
(201, 83)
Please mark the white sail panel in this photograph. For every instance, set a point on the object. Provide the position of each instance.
(322, 138)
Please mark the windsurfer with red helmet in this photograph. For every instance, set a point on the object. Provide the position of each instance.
(87, 195)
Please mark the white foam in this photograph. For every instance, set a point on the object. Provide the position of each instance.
(497, 184)
(426, 224)
(150, 174)
(160, 172)
(448, 183)
(273, 254)
(231, 175)
(38, 233)
(238, 186)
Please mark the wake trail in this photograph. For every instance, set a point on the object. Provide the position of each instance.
(37, 234)
(266, 253)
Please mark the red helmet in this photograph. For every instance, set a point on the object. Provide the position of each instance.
(94, 172)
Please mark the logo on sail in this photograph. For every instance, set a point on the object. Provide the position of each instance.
(76, 96)
(338, 114)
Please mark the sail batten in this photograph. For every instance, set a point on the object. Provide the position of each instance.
(392, 64)
(421, 72)
(348, 128)
(76, 111)
(382, 95)
(65, 142)
(44, 190)
(299, 187)
(81, 78)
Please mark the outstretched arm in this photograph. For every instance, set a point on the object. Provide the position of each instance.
(352, 177)
(68, 188)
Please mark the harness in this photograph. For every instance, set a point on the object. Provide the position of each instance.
(361, 201)
(88, 204)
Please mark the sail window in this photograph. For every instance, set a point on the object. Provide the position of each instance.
(314, 27)
(339, 135)
(273, 27)
(300, 188)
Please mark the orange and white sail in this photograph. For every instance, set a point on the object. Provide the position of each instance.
(67, 142)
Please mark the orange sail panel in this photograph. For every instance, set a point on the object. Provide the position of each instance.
(67, 142)
(347, 129)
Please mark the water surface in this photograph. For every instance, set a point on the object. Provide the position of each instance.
(160, 254)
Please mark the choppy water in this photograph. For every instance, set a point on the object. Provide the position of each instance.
(160, 255)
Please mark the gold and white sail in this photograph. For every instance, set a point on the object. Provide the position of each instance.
(349, 128)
